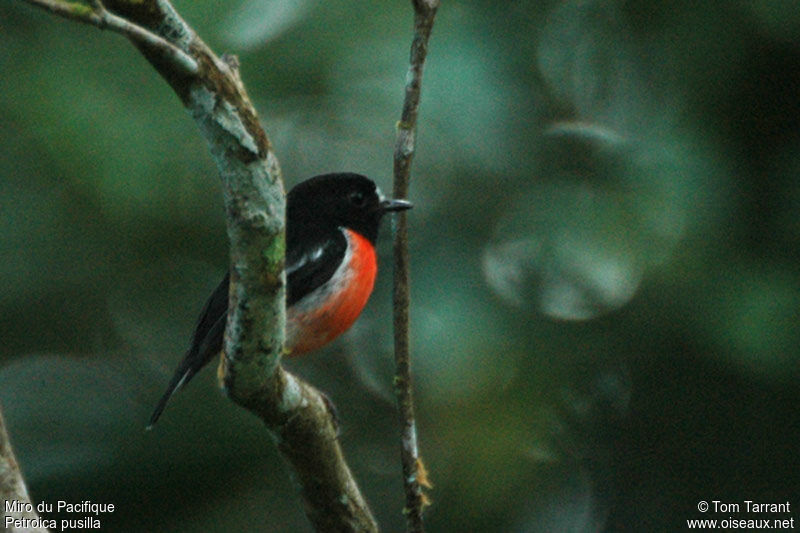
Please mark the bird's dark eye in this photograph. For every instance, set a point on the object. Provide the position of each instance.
(357, 198)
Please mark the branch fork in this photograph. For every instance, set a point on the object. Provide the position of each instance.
(211, 88)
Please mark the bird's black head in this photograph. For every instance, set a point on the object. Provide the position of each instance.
(340, 200)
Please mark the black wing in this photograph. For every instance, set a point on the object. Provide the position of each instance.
(308, 267)
(206, 343)
(310, 264)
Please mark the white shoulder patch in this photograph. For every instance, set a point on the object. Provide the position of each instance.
(310, 257)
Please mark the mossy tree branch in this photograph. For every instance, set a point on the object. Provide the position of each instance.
(211, 89)
(13, 490)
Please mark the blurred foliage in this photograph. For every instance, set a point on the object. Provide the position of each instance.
(604, 251)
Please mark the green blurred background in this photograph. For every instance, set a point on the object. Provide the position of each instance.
(604, 260)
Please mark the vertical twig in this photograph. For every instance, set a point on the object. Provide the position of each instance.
(413, 470)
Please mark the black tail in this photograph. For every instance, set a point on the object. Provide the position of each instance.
(206, 343)
(179, 379)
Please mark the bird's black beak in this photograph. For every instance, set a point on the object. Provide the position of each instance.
(395, 205)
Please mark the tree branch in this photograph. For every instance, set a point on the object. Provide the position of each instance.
(98, 15)
(414, 474)
(13, 491)
(250, 371)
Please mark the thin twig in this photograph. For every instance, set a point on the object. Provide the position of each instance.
(414, 476)
(97, 15)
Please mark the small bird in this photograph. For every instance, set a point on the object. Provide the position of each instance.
(332, 223)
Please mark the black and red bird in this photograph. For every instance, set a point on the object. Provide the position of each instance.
(332, 224)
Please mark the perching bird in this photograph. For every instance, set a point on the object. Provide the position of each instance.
(332, 223)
